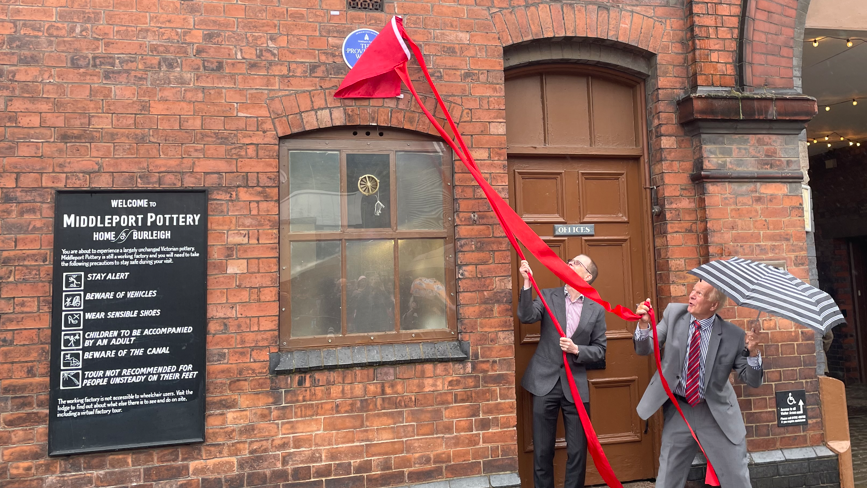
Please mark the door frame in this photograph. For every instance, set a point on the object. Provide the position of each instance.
(642, 153)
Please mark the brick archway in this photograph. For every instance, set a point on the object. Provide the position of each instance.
(318, 109)
(540, 21)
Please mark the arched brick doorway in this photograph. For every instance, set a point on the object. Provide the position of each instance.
(576, 156)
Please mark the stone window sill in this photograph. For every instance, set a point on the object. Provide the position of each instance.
(302, 361)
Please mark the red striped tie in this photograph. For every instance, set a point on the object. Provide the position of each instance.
(693, 367)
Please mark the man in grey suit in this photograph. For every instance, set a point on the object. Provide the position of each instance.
(701, 349)
(583, 321)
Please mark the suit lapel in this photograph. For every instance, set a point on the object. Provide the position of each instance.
(587, 314)
(558, 296)
(712, 348)
(682, 334)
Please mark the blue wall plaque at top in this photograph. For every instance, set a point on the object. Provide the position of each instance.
(355, 44)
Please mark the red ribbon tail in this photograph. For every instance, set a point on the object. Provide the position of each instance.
(499, 208)
(508, 218)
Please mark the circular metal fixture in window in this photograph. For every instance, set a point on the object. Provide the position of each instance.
(368, 185)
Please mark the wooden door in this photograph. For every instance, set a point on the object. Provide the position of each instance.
(583, 163)
(858, 272)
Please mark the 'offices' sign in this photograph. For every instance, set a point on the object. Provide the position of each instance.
(574, 230)
(128, 320)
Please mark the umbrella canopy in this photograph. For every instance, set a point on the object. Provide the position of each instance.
(772, 290)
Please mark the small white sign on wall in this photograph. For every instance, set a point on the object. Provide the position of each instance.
(807, 195)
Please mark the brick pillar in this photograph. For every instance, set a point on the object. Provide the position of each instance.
(712, 34)
(748, 185)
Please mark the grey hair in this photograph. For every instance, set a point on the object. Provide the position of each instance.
(719, 297)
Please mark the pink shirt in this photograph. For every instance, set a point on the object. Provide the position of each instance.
(573, 313)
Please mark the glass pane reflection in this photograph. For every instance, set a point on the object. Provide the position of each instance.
(372, 173)
(423, 298)
(315, 288)
(314, 191)
(370, 286)
(419, 191)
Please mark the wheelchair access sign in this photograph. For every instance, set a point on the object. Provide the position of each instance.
(791, 408)
(355, 44)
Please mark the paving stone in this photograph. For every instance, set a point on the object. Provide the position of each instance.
(799, 453)
(505, 480)
(474, 482)
(775, 456)
(436, 484)
(823, 451)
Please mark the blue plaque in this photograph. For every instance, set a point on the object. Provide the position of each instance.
(355, 44)
(574, 230)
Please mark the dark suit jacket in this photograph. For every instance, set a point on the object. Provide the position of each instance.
(546, 366)
(724, 354)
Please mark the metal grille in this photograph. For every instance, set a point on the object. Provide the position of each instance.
(368, 5)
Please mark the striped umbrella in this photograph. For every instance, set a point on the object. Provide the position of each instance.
(772, 290)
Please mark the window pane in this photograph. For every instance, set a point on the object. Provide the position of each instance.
(423, 298)
(419, 191)
(368, 187)
(314, 191)
(315, 288)
(370, 286)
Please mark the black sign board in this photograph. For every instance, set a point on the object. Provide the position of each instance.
(128, 321)
(791, 408)
(575, 230)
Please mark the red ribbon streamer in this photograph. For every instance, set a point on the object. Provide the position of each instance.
(517, 230)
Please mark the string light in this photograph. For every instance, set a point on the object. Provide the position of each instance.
(853, 101)
(850, 41)
(830, 142)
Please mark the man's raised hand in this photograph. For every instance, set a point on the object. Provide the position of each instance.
(641, 309)
(751, 340)
(525, 273)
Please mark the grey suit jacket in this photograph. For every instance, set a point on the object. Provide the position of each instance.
(546, 366)
(724, 354)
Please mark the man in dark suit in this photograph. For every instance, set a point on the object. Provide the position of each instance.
(583, 321)
(701, 349)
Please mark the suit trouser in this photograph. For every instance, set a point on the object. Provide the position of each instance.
(679, 449)
(546, 409)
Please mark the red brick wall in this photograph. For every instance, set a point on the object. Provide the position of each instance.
(763, 221)
(195, 94)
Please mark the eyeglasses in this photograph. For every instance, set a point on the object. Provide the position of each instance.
(574, 261)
